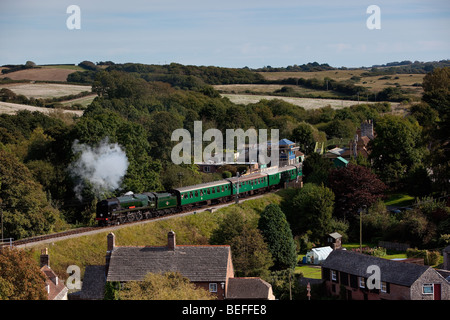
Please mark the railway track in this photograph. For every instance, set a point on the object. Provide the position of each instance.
(80, 231)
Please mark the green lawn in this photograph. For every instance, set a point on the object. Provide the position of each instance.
(309, 271)
(399, 199)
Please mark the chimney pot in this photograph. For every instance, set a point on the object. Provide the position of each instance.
(111, 241)
(44, 259)
(171, 241)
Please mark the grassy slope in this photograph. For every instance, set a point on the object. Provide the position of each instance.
(192, 229)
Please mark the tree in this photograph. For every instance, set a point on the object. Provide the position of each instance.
(278, 236)
(167, 286)
(436, 87)
(27, 211)
(314, 208)
(230, 227)
(353, 187)
(316, 169)
(396, 148)
(340, 129)
(251, 257)
(303, 136)
(250, 253)
(162, 125)
(20, 276)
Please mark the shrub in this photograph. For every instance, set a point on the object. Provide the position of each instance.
(429, 257)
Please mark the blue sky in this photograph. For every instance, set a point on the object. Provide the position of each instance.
(225, 33)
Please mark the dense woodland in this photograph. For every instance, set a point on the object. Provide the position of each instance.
(138, 106)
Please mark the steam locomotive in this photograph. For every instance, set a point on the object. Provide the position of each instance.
(132, 207)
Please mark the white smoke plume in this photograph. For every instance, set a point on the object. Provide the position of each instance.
(104, 166)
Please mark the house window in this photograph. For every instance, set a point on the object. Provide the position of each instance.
(383, 287)
(427, 288)
(333, 275)
(213, 287)
(362, 283)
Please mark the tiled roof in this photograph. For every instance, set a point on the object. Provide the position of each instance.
(390, 271)
(284, 142)
(57, 289)
(198, 263)
(248, 288)
(93, 283)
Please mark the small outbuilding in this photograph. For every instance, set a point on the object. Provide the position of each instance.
(317, 255)
(334, 240)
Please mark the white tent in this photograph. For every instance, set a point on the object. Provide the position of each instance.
(318, 255)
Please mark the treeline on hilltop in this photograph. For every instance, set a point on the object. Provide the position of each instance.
(308, 67)
(197, 77)
(405, 67)
(177, 75)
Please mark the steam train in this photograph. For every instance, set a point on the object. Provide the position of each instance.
(131, 207)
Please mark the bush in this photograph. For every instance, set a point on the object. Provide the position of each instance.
(226, 174)
(430, 258)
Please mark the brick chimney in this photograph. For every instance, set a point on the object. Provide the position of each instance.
(44, 260)
(446, 254)
(111, 239)
(111, 242)
(171, 242)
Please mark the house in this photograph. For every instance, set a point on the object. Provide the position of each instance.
(55, 288)
(346, 274)
(288, 153)
(207, 266)
(360, 143)
(334, 240)
(317, 255)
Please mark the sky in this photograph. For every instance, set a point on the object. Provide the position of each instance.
(224, 33)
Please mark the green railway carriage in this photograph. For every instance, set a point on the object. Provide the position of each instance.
(203, 192)
(288, 173)
(249, 183)
(274, 177)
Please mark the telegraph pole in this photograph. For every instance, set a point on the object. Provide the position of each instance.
(1, 214)
(237, 188)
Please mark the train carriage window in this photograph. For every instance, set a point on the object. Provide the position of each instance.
(201, 193)
(191, 195)
(223, 189)
(213, 190)
(196, 194)
(209, 191)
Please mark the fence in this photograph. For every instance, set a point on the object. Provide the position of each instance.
(6, 242)
(393, 245)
